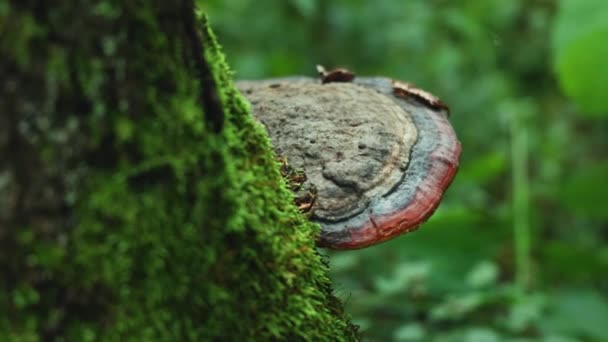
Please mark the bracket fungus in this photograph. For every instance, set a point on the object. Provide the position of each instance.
(379, 153)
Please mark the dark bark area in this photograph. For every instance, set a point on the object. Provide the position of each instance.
(138, 199)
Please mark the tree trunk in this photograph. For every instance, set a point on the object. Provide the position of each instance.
(138, 198)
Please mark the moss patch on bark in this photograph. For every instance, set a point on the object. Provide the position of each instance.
(125, 213)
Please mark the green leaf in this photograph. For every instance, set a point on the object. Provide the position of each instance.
(579, 313)
(457, 307)
(580, 51)
(525, 312)
(410, 332)
(481, 334)
(405, 275)
(306, 8)
(483, 274)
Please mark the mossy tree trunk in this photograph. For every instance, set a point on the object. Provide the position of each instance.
(138, 198)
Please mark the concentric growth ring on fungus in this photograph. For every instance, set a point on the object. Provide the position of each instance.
(379, 159)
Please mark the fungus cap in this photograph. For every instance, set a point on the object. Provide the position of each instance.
(379, 160)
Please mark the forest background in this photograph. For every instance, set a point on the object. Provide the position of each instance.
(517, 251)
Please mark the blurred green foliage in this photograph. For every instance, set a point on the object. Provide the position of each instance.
(517, 251)
(579, 41)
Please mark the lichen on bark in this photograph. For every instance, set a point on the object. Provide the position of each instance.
(126, 210)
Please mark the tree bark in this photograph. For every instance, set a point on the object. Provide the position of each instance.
(138, 198)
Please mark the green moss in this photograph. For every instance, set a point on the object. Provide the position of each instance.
(167, 230)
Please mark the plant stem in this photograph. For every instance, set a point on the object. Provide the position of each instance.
(521, 227)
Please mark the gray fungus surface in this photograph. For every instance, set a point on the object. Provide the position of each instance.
(352, 142)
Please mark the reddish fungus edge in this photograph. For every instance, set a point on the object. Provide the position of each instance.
(427, 197)
(402, 222)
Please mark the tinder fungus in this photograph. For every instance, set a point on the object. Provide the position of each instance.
(378, 152)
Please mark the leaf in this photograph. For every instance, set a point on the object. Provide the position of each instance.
(526, 312)
(306, 8)
(483, 274)
(457, 307)
(582, 312)
(410, 332)
(580, 50)
(481, 334)
(405, 275)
